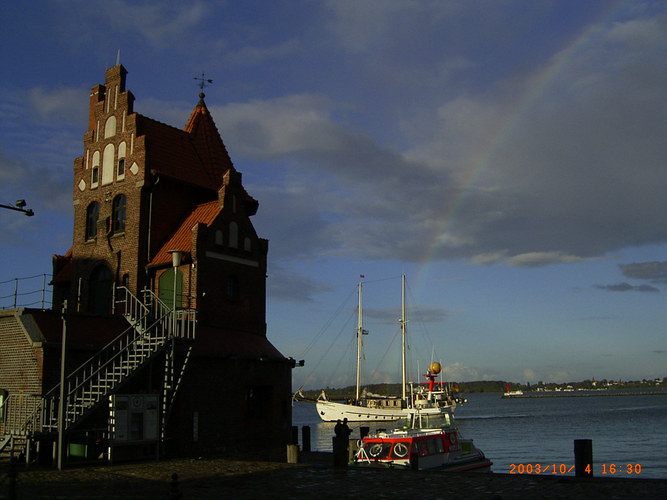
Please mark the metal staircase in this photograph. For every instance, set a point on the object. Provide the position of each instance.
(154, 328)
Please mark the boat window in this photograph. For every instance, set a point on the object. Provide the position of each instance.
(401, 449)
(432, 446)
(439, 446)
(378, 451)
(420, 447)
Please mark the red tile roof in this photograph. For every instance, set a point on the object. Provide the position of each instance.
(195, 155)
(64, 262)
(181, 239)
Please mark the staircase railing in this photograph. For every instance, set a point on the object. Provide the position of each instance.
(153, 326)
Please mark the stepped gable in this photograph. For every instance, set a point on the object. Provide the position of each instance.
(205, 213)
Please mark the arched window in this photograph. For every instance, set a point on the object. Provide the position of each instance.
(119, 207)
(92, 216)
(99, 294)
(95, 173)
(247, 245)
(218, 237)
(120, 166)
(233, 235)
(108, 164)
(110, 127)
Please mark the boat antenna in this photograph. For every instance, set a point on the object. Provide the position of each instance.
(403, 335)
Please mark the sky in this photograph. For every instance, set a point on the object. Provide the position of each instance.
(507, 156)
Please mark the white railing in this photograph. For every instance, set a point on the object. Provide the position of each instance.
(153, 325)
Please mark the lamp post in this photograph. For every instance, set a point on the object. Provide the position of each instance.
(176, 257)
(19, 206)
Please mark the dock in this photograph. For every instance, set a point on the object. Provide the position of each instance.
(314, 475)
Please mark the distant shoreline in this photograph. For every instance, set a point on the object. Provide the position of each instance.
(580, 395)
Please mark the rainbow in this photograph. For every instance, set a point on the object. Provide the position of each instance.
(537, 85)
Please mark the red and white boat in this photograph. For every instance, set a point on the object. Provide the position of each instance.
(423, 442)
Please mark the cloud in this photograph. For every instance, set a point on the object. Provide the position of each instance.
(61, 104)
(626, 287)
(515, 174)
(656, 272)
(161, 24)
(460, 372)
(289, 286)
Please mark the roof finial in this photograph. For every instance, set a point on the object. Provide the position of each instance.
(118, 58)
(203, 82)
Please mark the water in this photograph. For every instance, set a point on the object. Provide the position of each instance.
(514, 433)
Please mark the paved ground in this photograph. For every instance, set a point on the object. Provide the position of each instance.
(314, 477)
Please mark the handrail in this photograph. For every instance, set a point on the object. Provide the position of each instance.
(153, 325)
(20, 413)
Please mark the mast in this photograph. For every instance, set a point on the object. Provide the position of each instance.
(360, 332)
(403, 334)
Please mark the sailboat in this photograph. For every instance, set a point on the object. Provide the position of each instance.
(374, 408)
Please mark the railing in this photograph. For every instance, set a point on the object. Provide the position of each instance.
(153, 324)
(20, 414)
(152, 327)
(25, 292)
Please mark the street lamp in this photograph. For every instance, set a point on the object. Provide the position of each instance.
(176, 257)
(19, 207)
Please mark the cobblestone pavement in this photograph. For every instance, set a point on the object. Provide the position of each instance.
(231, 479)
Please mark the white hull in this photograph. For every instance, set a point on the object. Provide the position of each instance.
(331, 411)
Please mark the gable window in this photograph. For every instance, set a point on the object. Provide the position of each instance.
(119, 207)
(120, 166)
(95, 177)
(233, 235)
(92, 216)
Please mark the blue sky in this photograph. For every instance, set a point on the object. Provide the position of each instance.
(507, 156)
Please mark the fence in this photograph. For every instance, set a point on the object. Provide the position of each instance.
(30, 291)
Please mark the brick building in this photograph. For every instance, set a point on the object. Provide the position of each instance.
(166, 271)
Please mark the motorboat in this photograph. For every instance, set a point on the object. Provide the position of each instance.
(422, 441)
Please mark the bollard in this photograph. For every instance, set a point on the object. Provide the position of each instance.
(11, 480)
(340, 451)
(174, 492)
(305, 438)
(583, 458)
(292, 453)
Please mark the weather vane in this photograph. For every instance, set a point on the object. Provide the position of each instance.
(203, 82)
